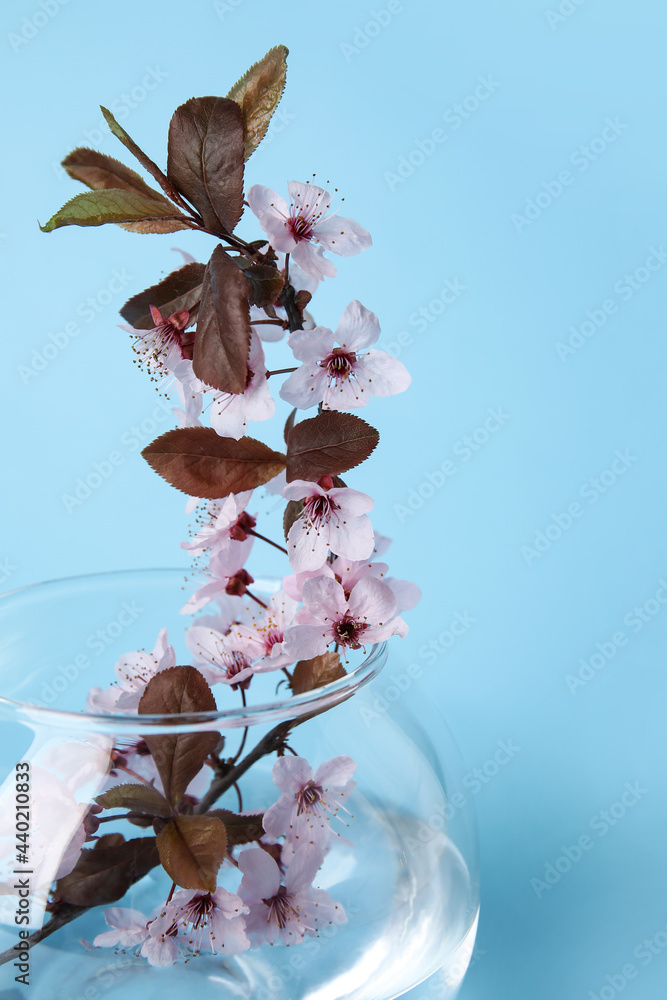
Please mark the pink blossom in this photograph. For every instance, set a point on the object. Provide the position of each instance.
(367, 616)
(218, 656)
(308, 801)
(202, 920)
(129, 928)
(224, 571)
(230, 412)
(228, 525)
(349, 573)
(333, 519)
(161, 348)
(134, 670)
(342, 378)
(285, 913)
(262, 638)
(304, 229)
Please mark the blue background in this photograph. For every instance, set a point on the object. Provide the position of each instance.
(479, 204)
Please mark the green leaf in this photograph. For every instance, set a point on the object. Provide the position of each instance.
(137, 798)
(94, 208)
(181, 289)
(311, 674)
(328, 444)
(144, 160)
(179, 757)
(199, 462)
(222, 342)
(205, 159)
(104, 874)
(258, 93)
(192, 848)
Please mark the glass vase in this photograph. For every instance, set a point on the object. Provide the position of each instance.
(404, 869)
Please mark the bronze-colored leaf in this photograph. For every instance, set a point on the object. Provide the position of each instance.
(192, 848)
(266, 284)
(179, 757)
(95, 208)
(315, 673)
(100, 171)
(328, 444)
(258, 92)
(146, 162)
(293, 510)
(289, 424)
(222, 342)
(104, 874)
(199, 462)
(156, 226)
(205, 159)
(240, 829)
(181, 289)
(136, 798)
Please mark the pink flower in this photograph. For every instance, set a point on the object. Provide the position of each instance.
(342, 378)
(332, 519)
(367, 616)
(218, 657)
(285, 913)
(168, 343)
(134, 670)
(230, 412)
(226, 577)
(308, 801)
(304, 229)
(129, 928)
(227, 526)
(262, 639)
(203, 920)
(349, 573)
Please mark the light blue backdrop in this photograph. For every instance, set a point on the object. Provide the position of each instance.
(509, 161)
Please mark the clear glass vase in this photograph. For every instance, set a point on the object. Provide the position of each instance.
(405, 870)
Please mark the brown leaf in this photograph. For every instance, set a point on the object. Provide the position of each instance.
(181, 289)
(179, 757)
(222, 342)
(266, 284)
(205, 159)
(328, 444)
(100, 171)
(192, 848)
(146, 162)
(136, 798)
(293, 510)
(311, 674)
(199, 462)
(240, 829)
(104, 874)
(258, 92)
(289, 424)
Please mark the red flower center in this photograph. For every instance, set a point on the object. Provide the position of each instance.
(339, 364)
(349, 632)
(308, 797)
(280, 907)
(299, 228)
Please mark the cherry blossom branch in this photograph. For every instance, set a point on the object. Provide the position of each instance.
(251, 531)
(280, 371)
(257, 600)
(65, 915)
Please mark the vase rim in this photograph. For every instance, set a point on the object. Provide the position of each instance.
(294, 707)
